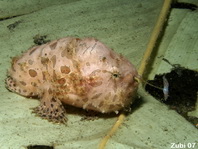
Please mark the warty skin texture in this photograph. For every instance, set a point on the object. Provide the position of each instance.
(84, 73)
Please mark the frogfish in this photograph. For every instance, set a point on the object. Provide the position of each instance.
(84, 73)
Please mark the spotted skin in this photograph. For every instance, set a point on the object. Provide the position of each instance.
(84, 73)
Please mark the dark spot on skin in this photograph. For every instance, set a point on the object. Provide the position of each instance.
(49, 91)
(101, 104)
(111, 106)
(53, 100)
(30, 62)
(114, 98)
(90, 105)
(33, 49)
(87, 63)
(75, 64)
(34, 84)
(23, 83)
(31, 93)
(95, 72)
(118, 60)
(69, 50)
(85, 99)
(52, 105)
(32, 73)
(54, 75)
(95, 83)
(14, 61)
(44, 60)
(61, 81)
(96, 96)
(112, 55)
(47, 109)
(53, 45)
(104, 59)
(44, 78)
(64, 53)
(65, 69)
(53, 59)
(61, 116)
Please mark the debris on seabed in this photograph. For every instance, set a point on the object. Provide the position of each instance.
(180, 87)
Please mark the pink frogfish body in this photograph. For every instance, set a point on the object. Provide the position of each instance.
(83, 73)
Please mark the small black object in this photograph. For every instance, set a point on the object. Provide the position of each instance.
(40, 147)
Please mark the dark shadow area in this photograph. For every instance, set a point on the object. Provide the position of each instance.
(139, 101)
(39, 147)
(88, 114)
(183, 5)
(92, 115)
